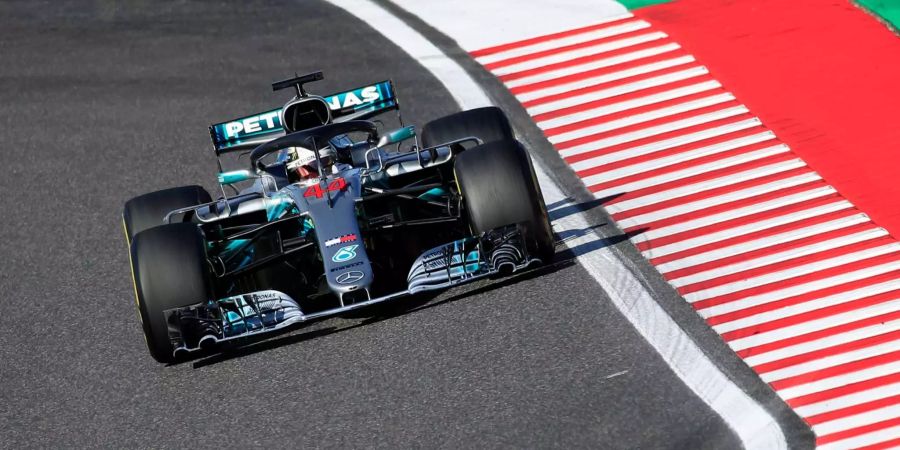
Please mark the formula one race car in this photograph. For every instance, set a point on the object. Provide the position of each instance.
(337, 216)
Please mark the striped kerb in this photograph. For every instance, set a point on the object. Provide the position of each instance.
(799, 282)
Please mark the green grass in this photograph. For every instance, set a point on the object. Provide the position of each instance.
(634, 4)
(888, 10)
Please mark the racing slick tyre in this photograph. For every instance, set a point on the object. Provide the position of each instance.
(148, 210)
(499, 188)
(488, 124)
(170, 270)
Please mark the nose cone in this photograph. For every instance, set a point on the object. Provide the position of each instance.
(347, 266)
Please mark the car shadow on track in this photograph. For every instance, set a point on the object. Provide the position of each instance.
(592, 245)
(564, 208)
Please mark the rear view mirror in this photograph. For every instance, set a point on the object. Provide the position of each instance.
(236, 176)
(398, 135)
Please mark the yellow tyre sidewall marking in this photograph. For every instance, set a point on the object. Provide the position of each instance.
(137, 301)
(462, 196)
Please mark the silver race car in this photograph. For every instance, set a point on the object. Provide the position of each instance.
(331, 215)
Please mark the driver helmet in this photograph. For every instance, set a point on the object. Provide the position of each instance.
(302, 164)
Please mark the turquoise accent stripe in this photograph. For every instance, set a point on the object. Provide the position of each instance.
(233, 247)
(277, 206)
(433, 194)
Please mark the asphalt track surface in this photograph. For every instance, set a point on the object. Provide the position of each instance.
(102, 102)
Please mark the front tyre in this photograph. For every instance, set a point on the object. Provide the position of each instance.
(488, 124)
(148, 210)
(170, 270)
(499, 188)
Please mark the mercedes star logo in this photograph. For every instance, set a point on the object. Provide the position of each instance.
(350, 277)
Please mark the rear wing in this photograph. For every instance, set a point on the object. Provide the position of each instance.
(250, 131)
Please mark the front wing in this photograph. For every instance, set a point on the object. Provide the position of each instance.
(262, 312)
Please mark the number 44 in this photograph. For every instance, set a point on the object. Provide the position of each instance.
(334, 186)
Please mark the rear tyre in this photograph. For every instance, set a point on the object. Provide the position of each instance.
(149, 210)
(499, 188)
(488, 124)
(170, 271)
